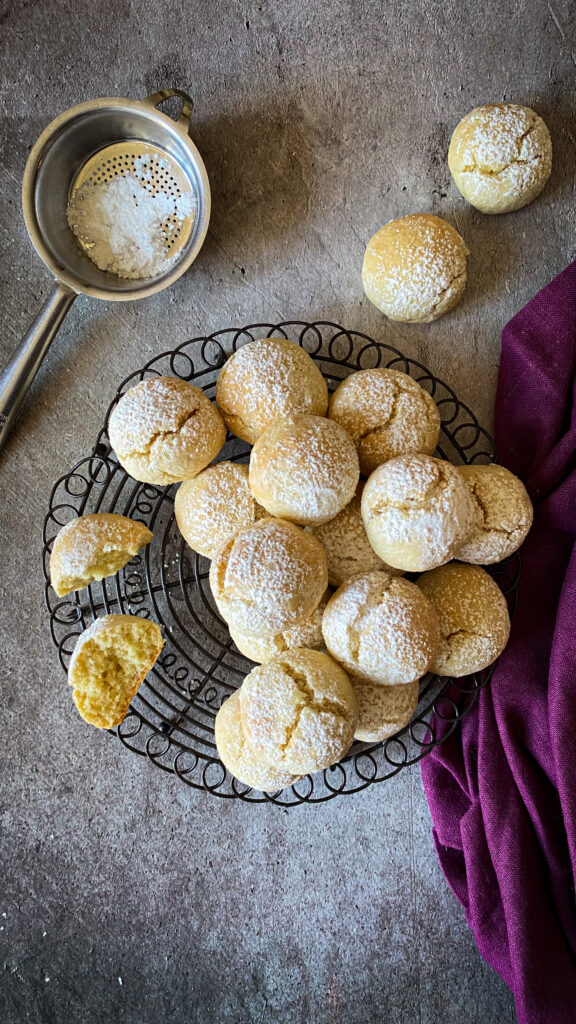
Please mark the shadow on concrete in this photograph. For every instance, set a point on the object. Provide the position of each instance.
(261, 170)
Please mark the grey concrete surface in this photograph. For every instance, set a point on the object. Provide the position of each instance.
(124, 896)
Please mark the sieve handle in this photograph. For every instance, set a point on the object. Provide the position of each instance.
(18, 375)
(165, 94)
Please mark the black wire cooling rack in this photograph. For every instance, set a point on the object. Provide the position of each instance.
(171, 719)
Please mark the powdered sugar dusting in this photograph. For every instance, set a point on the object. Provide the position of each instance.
(386, 413)
(416, 511)
(158, 405)
(304, 468)
(503, 514)
(85, 542)
(267, 380)
(473, 617)
(500, 156)
(299, 711)
(164, 430)
(383, 710)
(348, 550)
(415, 268)
(492, 137)
(238, 756)
(214, 506)
(125, 228)
(380, 629)
(269, 578)
(307, 633)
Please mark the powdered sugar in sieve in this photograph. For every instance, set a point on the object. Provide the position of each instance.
(132, 209)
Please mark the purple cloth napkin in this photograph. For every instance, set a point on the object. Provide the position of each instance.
(502, 789)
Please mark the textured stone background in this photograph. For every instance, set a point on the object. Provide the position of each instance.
(318, 122)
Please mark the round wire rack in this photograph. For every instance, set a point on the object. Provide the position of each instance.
(171, 719)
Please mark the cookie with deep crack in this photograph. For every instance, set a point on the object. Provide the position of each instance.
(503, 514)
(165, 430)
(414, 268)
(473, 617)
(500, 157)
(299, 711)
(381, 629)
(417, 511)
(269, 577)
(239, 757)
(386, 413)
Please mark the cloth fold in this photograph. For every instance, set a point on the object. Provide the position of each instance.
(502, 788)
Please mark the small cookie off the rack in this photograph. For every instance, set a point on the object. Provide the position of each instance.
(500, 157)
(414, 268)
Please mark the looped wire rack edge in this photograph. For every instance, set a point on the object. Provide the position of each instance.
(171, 719)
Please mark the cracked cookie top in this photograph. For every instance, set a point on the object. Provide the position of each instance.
(267, 380)
(165, 430)
(269, 577)
(414, 268)
(473, 618)
(299, 711)
(503, 514)
(417, 511)
(381, 629)
(500, 157)
(386, 413)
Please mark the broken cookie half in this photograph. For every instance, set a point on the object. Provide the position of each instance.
(110, 661)
(91, 547)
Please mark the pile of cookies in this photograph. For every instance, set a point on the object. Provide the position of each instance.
(340, 494)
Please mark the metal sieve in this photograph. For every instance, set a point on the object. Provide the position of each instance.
(92, 142)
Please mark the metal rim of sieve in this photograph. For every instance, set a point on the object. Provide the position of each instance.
(193, 174)
(76, 142)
